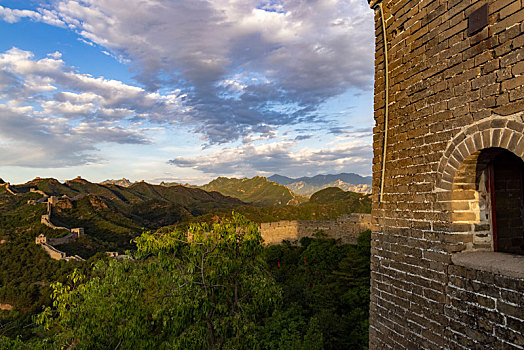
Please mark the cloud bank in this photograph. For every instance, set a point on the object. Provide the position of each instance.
(282, 158)
(52, 116)
(245, 66)
(226, 70)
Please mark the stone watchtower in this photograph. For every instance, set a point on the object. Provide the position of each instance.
(448, 203)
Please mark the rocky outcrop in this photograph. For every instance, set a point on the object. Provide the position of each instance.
(122, 182)
(65, 203)
(6, 307)
(97, 203)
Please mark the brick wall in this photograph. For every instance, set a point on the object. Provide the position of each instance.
(455, 100)
(483, 308)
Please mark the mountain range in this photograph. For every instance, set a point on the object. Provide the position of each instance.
(306, 186)
(112, 215)
(259, 191)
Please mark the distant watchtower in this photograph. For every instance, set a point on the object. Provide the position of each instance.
(77, 232)
(448, 173)
(40, 239)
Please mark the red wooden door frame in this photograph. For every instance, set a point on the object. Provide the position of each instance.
(491, 180)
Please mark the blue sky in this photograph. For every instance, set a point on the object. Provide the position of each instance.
(186, 90)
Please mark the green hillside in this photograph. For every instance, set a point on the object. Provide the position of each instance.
(333, 194)
(257, 190)
(111, 215)
(50, 186)
(25, 269)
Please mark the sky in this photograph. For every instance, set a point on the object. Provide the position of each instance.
(185, 90)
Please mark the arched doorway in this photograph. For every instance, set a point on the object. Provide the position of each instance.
(488, 200)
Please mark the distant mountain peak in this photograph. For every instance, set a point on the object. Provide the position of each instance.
(78, 179)
(258, 190)
(123, 182)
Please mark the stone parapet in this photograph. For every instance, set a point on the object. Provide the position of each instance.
(53, 252)
(346, 228)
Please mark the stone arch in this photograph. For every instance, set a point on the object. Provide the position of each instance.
(463, 173)
(503, 132)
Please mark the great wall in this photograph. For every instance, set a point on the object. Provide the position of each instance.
(8, 188)
(346, 228)
(49, 243)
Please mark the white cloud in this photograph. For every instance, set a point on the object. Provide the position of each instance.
(42, 15)
(80, 95)
(55, 55)
(51, 115)
(235, 70)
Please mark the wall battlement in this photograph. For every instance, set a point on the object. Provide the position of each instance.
(346, 228)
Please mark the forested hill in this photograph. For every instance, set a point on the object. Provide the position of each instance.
(111, 216)
(333, 194)
(135, 193)
(326, 204)
(257, 190)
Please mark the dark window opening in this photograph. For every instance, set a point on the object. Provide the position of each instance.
(506, 178)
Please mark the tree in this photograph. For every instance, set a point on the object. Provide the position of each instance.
(325, 285)
(205, 287)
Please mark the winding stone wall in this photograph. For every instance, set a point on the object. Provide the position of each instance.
(9, 189)
(48, 243)
(452, 93)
